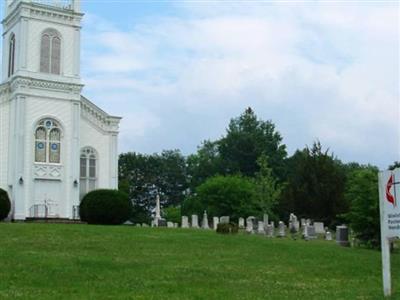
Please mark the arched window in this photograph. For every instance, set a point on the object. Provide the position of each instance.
(50, 52)
(88, 170)
(48, 142)
(11, 55)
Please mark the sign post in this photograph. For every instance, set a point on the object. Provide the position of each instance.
(389, 203)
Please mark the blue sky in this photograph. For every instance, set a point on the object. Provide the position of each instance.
(177, 71)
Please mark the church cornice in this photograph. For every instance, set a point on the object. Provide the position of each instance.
(19, 82)
(4, 88)
(42, 12)
(98, 117)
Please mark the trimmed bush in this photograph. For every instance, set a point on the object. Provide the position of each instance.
(108, 207)
(5, 204)
(227, 228)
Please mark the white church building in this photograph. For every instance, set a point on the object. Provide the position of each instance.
(55, 145)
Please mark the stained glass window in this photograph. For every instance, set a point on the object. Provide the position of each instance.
(48, 142)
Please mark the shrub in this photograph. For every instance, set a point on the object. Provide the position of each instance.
(227, 196)
(227, 228)
(364, 217)
(5, 204)
(105, 207)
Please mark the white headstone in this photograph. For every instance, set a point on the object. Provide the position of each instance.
(265, 220)
(195, 221)
(328, 236)
(215, 222)
(224, 220)
(170, 224)
(241, 223)
(249, 225)
(310, 230)
(204, 223)
(260, 229)
(319, 227)
(270, 230)
(281, 229)
(185, 222)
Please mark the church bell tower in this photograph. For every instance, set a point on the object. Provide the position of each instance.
(40, 107)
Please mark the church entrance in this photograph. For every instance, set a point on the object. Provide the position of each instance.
(47, 199)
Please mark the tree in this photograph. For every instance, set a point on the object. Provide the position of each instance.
(315, 189)
(204, 164)
(143, 176)
(363, 216)
(246, 140)
(224, 195)
(267, 189)
(395, 165)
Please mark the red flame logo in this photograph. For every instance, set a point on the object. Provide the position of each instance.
(389, 196)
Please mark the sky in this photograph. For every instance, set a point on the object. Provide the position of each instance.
(178, 71)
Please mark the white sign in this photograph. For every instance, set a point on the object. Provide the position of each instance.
(389, 203)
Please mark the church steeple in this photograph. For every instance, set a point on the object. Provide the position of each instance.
(41, 40)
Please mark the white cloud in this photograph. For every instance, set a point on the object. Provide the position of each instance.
(332, 70)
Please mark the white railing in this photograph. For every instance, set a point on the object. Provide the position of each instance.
(39, 211)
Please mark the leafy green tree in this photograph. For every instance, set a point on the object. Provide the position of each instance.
(204, 164)
(246, 140)
(315, 189)
(172, 214)
(267, 189)
(362, 194)
(395, 165)
(143, 176)
(225, 195)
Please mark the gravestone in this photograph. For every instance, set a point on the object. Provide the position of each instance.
(265, 220)
(311, 234)
(241, 223)
(145, 225)
(215, 223)
(260, 229)
(302, 222)
(224, 220)
(342, 235)
(176, 225)
(204, 223)
(295, 224)
(270, 230)
(162, 223)
(328, 236)
(281, 229)
(138, 225)
(170, 224)
(249, 225)
(319, 227)
(195, 221)
(185, 222)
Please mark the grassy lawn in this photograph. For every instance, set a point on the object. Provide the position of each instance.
(54, 261)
